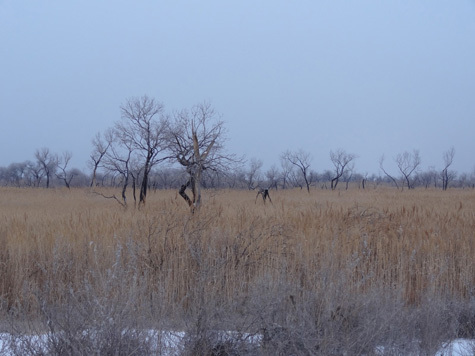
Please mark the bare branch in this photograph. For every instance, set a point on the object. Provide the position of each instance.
(143, 130)
(408, 163)
(381, 161)
(448, 159)
(301, 160)
(113, 196)
(342, 162)
(48, 163)
(196, 140)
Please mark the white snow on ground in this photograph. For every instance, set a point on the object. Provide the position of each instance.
(458, 347)
(169, 343)
(172, 343)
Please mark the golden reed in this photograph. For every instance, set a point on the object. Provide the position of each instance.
(413, 242)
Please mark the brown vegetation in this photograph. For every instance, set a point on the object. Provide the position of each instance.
(325, 256)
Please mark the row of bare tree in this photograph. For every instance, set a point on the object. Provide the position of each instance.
(408, 164)
(246, 176)
(295, 166)
(46, 168)
(145, 146)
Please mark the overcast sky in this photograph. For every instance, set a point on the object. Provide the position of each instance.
(371, 77)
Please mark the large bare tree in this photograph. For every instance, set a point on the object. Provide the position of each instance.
(48, 162)
(448, 160)
(301, 160)
(342, 162)
(143, 129)
(196, 141)
(407, 163)
(64, 174)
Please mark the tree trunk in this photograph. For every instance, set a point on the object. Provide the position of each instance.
(307, 184)
(445, 179)
(195, 183)
(197, 189)
(146, 171)
(134, 186)
(334, 183)
(94, 175)
(124, 189)
(184, 195)
(143, 187)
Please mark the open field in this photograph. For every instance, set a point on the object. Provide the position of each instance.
(328, 260)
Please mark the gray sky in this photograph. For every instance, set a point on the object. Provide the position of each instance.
(371, 77)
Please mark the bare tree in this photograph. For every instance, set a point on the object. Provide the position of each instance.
(381, 165)
(407, 164)
(117, 161)
(286, 172)
(15, 174)
(301, 160)
(48, 163)
(35, 173)
(142, 129)
(364, 178)
(448, 160)
(64, 175)
(326, 177)
(100, 146)
(348, 176)
(196, 141)
(428, 177)
(342, 161)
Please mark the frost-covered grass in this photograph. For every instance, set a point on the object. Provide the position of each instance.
(173, 343)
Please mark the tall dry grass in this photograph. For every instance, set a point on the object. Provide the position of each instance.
(413, 243)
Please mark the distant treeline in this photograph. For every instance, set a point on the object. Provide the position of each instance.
(30, 174)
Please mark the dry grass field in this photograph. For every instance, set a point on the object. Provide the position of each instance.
(327, 255)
